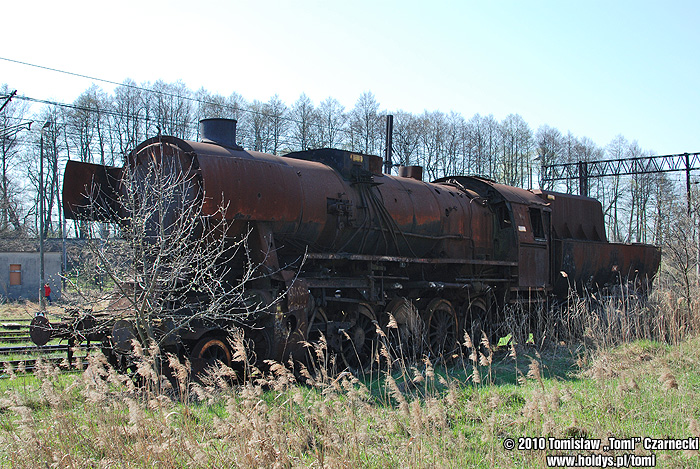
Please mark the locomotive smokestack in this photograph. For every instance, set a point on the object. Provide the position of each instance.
(219, 131)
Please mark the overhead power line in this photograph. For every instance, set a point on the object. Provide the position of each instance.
(153, 91)
(42, 67)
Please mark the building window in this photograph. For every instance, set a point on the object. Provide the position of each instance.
(15, 274)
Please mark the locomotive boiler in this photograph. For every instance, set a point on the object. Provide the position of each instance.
(351, 252)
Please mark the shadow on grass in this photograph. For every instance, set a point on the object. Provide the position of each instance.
(556, 363)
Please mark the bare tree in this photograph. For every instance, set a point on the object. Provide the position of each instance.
(587, 150)
(304, 124)
(548, 143)
(366, 127)
(331, 122)
(172, 109)
(259, 126)
(53, 144)
(128, 119)
(406, 138)
(237, 108)
(637, 196)
(45, 150)
(666, 200)
(12, 122)
(483, 144)
(569, 155)
(615, 150)
(454, 158)
(433, 129)
(175, 267)
(82, 125)
(211, 105)
(276, 112)
(516, 143)
(681, 258)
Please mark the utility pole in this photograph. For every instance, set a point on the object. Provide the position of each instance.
(47, 124)
(9, 98)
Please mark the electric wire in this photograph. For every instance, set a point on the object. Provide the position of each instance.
(199, 101)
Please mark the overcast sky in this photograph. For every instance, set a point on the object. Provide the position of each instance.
(595, 68)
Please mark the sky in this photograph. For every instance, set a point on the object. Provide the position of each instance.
(595, 68)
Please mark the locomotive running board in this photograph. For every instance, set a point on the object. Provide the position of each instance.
(407, 260)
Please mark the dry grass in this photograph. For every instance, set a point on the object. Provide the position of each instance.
(609, 383)
(22, 310)
(102, 419)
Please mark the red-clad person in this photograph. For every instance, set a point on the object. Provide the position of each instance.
(47, 292)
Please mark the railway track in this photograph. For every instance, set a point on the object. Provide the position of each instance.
(14, 336)
(29, 365)
(35, 349)
(14, 332)
(24, 358)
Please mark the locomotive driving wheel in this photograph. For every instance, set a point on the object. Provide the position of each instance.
(211, 350)
(359, 343)
(404, 328)
(441, 328)
(478, 317)
(317, 348)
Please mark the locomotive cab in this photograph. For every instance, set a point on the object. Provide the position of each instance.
(521, 230)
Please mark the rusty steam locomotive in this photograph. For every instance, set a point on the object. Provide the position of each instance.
(352, 248)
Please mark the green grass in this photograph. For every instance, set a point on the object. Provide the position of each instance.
(420, 415)
(442, 419)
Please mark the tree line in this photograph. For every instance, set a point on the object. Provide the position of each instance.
(101, 127)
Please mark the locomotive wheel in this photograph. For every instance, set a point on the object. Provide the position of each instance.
(478, 318)
(359, 343)
(211, 350)
(405, 332)
(441, 328)
(317, 354)
(317, 325)
(258, 344)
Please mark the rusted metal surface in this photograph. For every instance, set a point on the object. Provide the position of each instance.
(91, 191)
(219, 131)
(309, 204)
(521, 230)
(306, 203)
(533, 265)
(575, 216)
(413, 172)
(81, 326)
(493, 191)
(533, 244)
(416, 260)
(40, 330)
(251, 189)
(591, 264)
